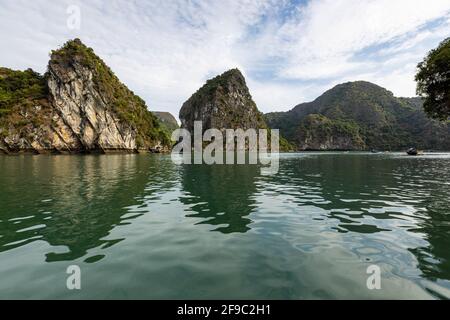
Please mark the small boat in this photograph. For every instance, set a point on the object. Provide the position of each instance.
(414, 152)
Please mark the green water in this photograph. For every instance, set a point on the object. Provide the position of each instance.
(140, 226)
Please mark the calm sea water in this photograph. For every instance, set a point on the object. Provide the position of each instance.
(140, 226)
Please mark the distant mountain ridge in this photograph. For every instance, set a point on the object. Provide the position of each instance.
(360, 116)
(79, 105)
(167, 120)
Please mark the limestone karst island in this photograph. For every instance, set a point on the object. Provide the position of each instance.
(225, 155)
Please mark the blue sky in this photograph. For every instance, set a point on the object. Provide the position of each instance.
(289, 51)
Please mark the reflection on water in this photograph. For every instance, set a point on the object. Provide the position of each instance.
(72, 202)
(226, 231)
(405, 199)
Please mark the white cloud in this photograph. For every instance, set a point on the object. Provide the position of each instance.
(328, 40)
(165, 50)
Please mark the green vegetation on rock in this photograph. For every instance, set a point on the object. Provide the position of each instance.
(20, 88)
(225, 102)
(167, 120)
(23, 103)
(360, 116)
(320, 132)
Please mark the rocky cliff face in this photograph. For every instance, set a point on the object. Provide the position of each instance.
(82, 107)
(224, 102)
(317, 132)
(82, 114)
(360, 116)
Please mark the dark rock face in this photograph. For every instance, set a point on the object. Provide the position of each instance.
(317, 132)
(82, 107)
(224, 102)
(360, 116)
